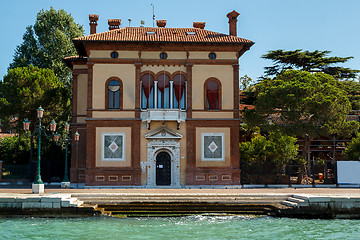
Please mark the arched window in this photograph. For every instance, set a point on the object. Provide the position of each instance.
(163, 85)
(113, 93)
(147, 85)
(163, 90)
(179, 91)
(212, 94)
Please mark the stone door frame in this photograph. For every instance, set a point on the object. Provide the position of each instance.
(172, 147)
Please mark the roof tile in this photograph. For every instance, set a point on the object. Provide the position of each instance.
(140, 34)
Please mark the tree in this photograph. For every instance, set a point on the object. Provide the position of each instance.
(316, 61)
(24, 89)
(261, 153)
(47, 42)
(304, 104)
(352, 151)
(353, 89)
(246, 84)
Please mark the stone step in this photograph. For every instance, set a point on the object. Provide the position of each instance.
(289, 204)
(183, 198)
(276, 196)
(180, 201)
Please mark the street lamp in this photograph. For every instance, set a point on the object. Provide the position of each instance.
(67, 141)
(38, 185)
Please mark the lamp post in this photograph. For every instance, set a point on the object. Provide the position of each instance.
(67, 141)
(38, 185)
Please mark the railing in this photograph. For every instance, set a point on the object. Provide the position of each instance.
(163, 115)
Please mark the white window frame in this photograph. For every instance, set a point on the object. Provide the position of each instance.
(103, 145)
(222, 135)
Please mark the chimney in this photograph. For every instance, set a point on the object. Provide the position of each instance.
(93, 22)
(161, 23)
(114, 24)
(200, 25)
(232, 22)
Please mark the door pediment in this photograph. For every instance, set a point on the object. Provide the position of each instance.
(163, 133)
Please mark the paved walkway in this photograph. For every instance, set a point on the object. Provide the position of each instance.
(313, 191)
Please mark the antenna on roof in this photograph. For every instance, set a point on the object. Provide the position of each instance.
(153, 15)
(142, 23)
(129, 21)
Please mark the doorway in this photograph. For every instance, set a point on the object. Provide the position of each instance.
(163, 169)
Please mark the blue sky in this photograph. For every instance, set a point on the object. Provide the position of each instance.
(277, 24)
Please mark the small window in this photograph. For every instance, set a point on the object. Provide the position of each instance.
(113, 94)
(212, 55)
(191, 33)
(150, 33)
(114, 54)
(163, 55)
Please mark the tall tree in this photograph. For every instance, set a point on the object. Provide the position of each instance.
(353, 89)
(316, 61)
(305, 105)
(47, 42)
(24, 89)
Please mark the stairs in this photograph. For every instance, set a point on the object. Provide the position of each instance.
(296, 201)
(140, 204)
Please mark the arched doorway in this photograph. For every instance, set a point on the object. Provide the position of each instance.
(163, 169)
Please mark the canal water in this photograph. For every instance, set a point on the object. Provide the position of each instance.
(171, 228)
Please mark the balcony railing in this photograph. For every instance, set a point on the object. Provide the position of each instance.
(163, 115)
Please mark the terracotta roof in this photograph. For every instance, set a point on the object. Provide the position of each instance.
(149, 34)
(246, 106)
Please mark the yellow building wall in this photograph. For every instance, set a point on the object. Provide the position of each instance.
(106, 54)
(127, 132)
(224, 73)
(82, 94)
(113, 114)
(199, 161)
(143, 146)
(212, 114)
(102, 72)
(219, 55)
(156, 69)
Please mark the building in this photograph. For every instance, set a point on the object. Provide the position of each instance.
(156, 106)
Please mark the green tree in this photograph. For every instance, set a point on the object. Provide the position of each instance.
(47, 42)
(316, 61)
(24, 89)
(284, 149)
(15, 150)
(305, 105)
(260, 153)
(352, 151)
(353, 89)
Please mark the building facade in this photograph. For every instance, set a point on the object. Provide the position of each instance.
(156, 106)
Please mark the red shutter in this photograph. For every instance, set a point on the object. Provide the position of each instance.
(212, 94)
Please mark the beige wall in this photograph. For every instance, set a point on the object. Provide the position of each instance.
(219, 55)
(80, 67)
(155, 69)
(82, 94)
(224, 73)
(144, 141)
(113, 114)
(212, 114)
(127, 132)
(102, 72)
(199, 162)
(106, 54)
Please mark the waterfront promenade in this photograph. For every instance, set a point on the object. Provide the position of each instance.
(289, 202)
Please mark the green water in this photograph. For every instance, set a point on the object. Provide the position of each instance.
(191, 227)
